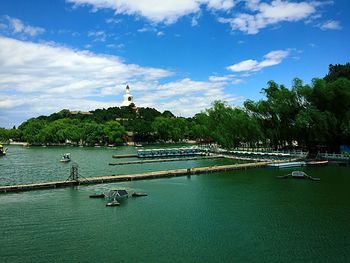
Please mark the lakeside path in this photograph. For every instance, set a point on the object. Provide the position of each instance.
(130, 177)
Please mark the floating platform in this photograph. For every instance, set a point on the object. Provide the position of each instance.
(171, 152)
(139, 194)
(97, 196)
(286, 164)
(167, 160)
(125, 155)
(317, 163)
(131, 177)
(113, 203)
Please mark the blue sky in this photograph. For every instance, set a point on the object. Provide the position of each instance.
(175, 55)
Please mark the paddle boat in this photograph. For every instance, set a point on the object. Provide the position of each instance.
(286, 164)
(65, 158)
(299, 175)
(2, 150)
(96, 195)
(113, 203)
(138, 194)
(116, 196)
(317, 163)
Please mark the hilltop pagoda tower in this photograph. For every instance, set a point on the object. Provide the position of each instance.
(128, 99)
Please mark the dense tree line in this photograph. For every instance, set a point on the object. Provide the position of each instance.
(102, 126)
(315, 116)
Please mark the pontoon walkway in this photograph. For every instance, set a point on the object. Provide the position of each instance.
(130, 177)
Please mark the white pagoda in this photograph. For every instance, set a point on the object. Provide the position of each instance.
(127, 98)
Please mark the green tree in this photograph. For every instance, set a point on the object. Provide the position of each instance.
(162, 126)
(231, 126)
(31, 129)
(338, 71)
(4, 135)
(114, 131)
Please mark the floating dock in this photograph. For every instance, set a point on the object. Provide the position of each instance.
(167, 160)
(340, 159)
(131, 177)
(125, 155)
(171, 152)
(286, 164)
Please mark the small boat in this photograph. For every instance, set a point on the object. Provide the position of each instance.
(65, 158)
(117, 194)
(97, 195)
(317, 163)
(113, 203)
(286, 165)
(138, 145)
(138, 194)
(299, 175)
(2, 150)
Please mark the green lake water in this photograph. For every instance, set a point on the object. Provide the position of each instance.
(238, 216)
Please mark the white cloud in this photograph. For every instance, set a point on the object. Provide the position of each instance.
(265, 14)
(18, 27)
(3, 26)
(252, 5)
(28, 67)
(270, 59)
(47, 78)
(259, 14)
(146, 29)
(113, 21)
(116, 46)
(186, 97)
(151, 29)
(330, 25)
(166, 11)
(229, 79)
(195, 18)
(98, 36)
(38, 79)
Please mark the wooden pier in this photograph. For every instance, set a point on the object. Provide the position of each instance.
(131, 177)
(167, 160)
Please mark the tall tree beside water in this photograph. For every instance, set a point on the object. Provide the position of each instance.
(173, 129)
(231, 126)
(114, 131)
(276, 114)
(315, 115)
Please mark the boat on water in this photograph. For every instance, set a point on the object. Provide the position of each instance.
(317, 163)
(113, 203)
(286, 165)
(299, 175)
(117, 194)
(96, 195)
(66, 158)
(138, 194)
(2, 150)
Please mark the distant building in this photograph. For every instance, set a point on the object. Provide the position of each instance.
(128, 99)
(80, 112)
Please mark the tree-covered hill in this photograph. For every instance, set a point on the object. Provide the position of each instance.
(312, 116)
